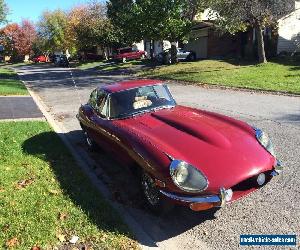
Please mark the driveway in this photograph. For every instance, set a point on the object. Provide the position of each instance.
(274, 209)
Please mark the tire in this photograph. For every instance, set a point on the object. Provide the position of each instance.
(152, 196)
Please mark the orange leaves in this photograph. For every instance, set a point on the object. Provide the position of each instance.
(24, 183)
(12, 242)
(35, 248)
(62, 216)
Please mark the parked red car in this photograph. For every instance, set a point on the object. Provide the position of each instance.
(188, 156)
(129, 53)
(39, 59)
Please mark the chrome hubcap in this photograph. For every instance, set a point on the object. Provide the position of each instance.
(150, 191)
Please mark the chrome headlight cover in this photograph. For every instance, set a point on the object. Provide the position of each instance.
(187, 177)
(264, 140)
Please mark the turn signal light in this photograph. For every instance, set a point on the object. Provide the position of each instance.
(201, 206)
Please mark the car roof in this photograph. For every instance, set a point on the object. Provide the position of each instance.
(119, 86)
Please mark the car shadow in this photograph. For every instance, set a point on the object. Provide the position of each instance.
(124, 188)
(73, 182)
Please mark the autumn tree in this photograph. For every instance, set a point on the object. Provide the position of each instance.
(91, 27)
(26, 37)
(18, 39)
(8, 37)
(236, 15)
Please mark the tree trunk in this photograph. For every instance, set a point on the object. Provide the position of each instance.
(152, 49)
(260, 44)
(173, 53)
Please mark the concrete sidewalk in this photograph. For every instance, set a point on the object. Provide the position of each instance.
(19, 107)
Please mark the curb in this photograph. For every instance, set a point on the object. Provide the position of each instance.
(23, 119)
(86, 164)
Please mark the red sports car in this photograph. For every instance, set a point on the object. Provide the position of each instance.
(184, 155)
(129, 53)
(39, 59)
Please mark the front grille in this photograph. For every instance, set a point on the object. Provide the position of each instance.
(251, 183)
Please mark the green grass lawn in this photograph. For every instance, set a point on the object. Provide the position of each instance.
(113, 66)
(133, 65)
(278, 75)
(45, 198)
(88, 65)
(10, 84)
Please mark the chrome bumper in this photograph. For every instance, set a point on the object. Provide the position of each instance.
(218, 199)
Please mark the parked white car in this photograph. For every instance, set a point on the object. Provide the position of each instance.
(182, 55)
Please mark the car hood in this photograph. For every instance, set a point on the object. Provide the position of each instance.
(222, 148)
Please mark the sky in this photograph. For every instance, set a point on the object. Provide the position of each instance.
(32, 9)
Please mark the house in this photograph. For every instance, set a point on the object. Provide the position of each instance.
(209, 42)
(156, 46)
(289, 32)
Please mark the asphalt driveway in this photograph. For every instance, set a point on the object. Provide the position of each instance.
(274, 209)
(18, 107)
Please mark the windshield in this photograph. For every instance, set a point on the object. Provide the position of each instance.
(140, 100)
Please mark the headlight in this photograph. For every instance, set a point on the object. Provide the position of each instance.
(264, 140)
(187, 177)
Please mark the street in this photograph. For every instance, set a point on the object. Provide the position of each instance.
(274, 209)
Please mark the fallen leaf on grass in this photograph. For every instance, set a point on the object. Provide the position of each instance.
(24, 183)
(24, 164)
(12, 242)
(74, 239)
(61, 237)
(53, 191)
(62, 216)
(5, 228)
(35, 248)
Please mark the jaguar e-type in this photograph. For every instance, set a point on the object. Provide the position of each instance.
(183, 155)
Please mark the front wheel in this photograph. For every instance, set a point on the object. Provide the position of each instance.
(152, 195)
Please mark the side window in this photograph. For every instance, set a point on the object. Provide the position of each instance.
(93, 99)
(98, 102)
(102, 104)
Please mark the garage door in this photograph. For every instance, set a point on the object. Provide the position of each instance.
(199, 46)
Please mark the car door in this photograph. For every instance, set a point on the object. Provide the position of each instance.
(130, 54)
(98, 120)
